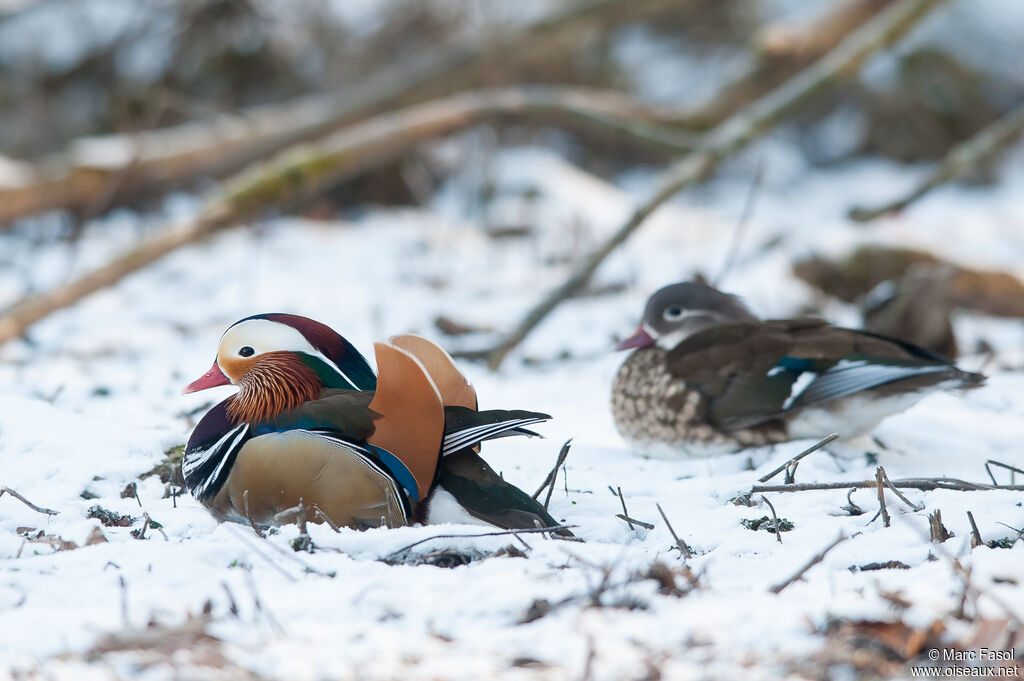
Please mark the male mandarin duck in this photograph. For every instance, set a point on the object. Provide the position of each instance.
(310, 421)
(707, 377)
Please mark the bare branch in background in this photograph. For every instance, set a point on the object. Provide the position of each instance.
(728, 138)
(227, 143)
(988, 142)
(305, 170)
(782, 50)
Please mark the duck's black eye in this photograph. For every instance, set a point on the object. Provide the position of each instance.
(673, 313)
(246, 351)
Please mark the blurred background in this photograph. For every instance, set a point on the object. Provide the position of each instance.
(530, 130)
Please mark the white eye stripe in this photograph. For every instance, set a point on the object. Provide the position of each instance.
(263, 335)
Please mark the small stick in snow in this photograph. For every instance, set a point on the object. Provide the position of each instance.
(323, 516)
(879, 475)
(297, 512)
(908, 502)
(625, 511)
(937, 531)
(924, 484)
(528, 530)
(683, 548)
(1013, 470)
(817, 558)
(634, 521)
(810, 450)
(248, 516)
(156, 526)
(775, 518)
(851, 507)
(976, 539)
(145, 526)
(550, 479)
(37, 509)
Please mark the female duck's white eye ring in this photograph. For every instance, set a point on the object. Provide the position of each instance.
(673, 314)
(246, 351)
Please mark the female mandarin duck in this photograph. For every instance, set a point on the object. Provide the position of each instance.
(311, 421)
(708, 377)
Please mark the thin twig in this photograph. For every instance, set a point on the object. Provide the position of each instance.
(1000, 464)
(683, 547)
(976, 539)
(529, 530)
(37, 509)
(324, 517)
(625, 511)
(817, 558)
(775, 518)
(730, 136)
(983, 145)
(248, 516)
(550, 479)
(879, 475)
(634, 521)
(810, 450)
(902, 497)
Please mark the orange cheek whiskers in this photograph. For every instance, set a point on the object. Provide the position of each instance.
(275, 383)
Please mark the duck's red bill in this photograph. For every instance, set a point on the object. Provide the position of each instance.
(640, 339)
(211, 379)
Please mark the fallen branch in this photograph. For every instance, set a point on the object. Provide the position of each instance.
(924, 484)
(93, 166)
(817, 558)
(292, 176)
(810, 450)
(985, 144)
(726, 139)
(37, 509)
(633, 521)
(780, 51)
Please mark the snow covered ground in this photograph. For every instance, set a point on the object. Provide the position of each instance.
(91, 401)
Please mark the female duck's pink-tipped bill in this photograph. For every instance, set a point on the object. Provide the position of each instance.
(211, 379)
(640, 339)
